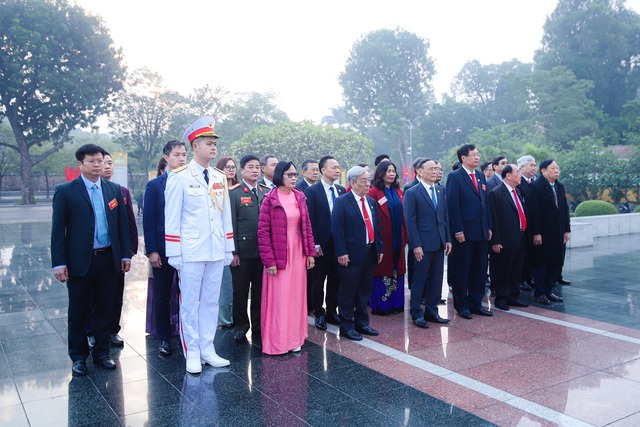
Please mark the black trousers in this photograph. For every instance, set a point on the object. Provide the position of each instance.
(162, 283)
(468, 272)
(95, 290)
(507, 272)
(356, 282)
(427, 284)
(326, 267)
(118, 300)
(247, 277)
(545, 278)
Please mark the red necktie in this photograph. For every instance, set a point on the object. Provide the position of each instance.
(367, 222)
(523, 219)
(473, 179)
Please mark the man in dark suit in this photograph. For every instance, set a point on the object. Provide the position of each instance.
(118, 299)
(246, 267)
(429, 240)
(358, 246)
(175, 154)
(550, 227)
(320, 200)
(498, 163)
(508, 216)
(470, 225)
(527, 167)
(89, 247)
(268, 166)
(310, 174)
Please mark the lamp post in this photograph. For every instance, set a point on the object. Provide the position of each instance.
(410, 124)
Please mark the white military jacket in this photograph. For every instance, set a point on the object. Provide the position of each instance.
(198, 216)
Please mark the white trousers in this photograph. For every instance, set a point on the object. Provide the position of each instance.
(199, 295)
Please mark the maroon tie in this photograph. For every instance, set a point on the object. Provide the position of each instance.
(367, 222)
(523, 219)
(473, 179)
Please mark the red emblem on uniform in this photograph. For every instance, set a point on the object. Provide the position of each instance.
(246, 190)
(245, 200)
(484, 187)
(113, 204)
(217, 186)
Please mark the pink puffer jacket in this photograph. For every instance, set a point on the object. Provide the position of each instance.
(272, 230)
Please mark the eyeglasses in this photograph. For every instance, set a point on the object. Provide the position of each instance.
(230, 167)
(291, 175)
(437, 169)
(93, 162)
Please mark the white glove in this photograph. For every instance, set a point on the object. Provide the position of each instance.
(176, 262)
(228, 257)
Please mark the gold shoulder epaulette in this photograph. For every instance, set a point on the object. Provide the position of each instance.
(233, 187)
(180, 169)
(215, 168)
(265, 186)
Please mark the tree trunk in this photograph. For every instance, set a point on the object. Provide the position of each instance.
(46, 179)
(25, 159)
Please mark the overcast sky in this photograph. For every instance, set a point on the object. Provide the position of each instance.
(297, 49)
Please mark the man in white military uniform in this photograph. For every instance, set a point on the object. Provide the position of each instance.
(199, 243)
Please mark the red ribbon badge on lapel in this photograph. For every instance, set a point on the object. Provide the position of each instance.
(113, 204)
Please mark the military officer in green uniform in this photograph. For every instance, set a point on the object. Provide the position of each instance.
(246, 267)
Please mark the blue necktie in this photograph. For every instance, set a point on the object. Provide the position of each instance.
(433, 197)
(102, 233)
(333, 194)
(555, 195)
(206, 175)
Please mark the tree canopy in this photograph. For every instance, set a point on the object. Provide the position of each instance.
(298, 141)
(58, 70)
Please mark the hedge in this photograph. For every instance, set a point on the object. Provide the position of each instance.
(595, 207)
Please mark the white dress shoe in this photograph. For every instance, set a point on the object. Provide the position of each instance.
(193, 367)
(214, 360)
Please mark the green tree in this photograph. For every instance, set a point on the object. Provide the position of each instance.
(58, 70)
(247, 112)
(298, 141)
(143, 115)
(387, 84)
(597, 40)
(584, 168)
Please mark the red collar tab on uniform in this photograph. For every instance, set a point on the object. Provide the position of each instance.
(244, 187)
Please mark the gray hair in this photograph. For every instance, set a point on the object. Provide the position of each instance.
(525, 160)
(354, 173)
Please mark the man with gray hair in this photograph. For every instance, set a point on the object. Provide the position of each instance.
(527, 167)
(358, 247)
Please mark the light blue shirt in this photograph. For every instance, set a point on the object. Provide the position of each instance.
(88, 184)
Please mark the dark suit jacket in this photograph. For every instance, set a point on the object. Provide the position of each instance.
(153, 215)
(302, 185)
(319, 213)
(493, 182)
(468, 208)
(73, 225)
(411, 184)
(548, 220)
(523, 188)
(131, 219)
(427, 226)
(505, 218)
(245, 211)
(349, 230)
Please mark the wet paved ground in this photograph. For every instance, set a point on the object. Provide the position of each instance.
(576, 363)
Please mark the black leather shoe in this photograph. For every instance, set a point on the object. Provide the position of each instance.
(91, 341)
(518, 303)
(563, 281)
(321, 323)
(240, 337)
(555, 298)
(466, 314)
(351, 334)
(367, 330)
(543, 300)
(481, 311)
(420, 323)
(165, 348)
(79, 368)
(525, 287)
(332, 319)
(501, 305)
(106, 362)
(115, 340)
(436, 319)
